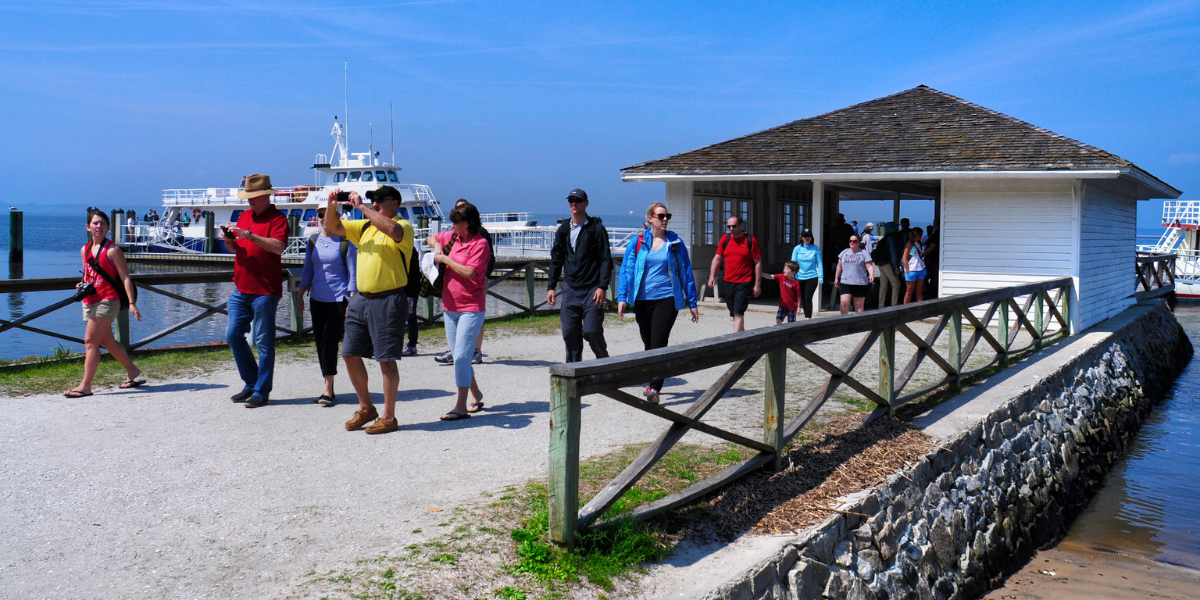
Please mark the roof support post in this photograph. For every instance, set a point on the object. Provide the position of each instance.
(818, 228)
(896, 207)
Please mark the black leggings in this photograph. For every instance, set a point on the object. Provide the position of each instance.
(329, 323)
(412, 322)
(807, 287)
(655, 318)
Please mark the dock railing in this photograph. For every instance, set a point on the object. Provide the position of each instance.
(1156, 274)
(1041, 308)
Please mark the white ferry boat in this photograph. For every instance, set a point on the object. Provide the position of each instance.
(181, 227)
(1181, 220)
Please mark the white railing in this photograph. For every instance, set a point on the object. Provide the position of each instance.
(227, 196)
(539, 240)
(1181, 212)
(1187, 263)
(511, 217)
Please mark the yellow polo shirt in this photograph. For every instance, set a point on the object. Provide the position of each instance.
(382, 261)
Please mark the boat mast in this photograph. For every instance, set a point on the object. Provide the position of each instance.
(392, 126)
(347, 90)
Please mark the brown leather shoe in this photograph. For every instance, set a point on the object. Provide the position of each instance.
(382, 425)
(361, 417)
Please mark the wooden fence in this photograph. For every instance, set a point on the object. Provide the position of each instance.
(1155, 275)
(1043, 313)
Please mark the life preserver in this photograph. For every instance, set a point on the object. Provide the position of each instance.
(195, 214)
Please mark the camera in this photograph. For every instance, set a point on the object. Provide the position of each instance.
(343, 196)
(84, 290)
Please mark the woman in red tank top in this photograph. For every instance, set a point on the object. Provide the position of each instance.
(100, 308)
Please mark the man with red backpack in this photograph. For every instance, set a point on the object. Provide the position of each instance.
(743, 269)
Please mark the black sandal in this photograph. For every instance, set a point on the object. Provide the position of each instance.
(453, 416)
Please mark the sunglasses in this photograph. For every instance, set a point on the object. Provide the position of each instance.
(574, 200)
(733, 226)
(662, 216)
(853, 241)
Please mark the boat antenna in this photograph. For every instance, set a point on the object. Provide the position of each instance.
(392, 125)
(347, 90)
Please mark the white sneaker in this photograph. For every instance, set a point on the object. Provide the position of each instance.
(477, 359)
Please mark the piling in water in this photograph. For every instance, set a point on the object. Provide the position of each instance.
(16, 236)
(210, 233)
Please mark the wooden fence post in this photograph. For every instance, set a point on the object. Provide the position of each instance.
(296, 314)
(1003, 333)
(1064, 308)
(773, 394)
(564, 461)
(955, 350)
(887, 366)
(529, 285)
(1039, 323)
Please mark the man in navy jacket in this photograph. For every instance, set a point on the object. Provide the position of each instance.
(582, 258)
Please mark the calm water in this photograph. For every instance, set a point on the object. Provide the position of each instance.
(52, 243)
(1148, 504)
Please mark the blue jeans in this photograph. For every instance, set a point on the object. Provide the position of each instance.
(244, 308)
(462, 329)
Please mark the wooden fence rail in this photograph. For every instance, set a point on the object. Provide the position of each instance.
(153, 283)
(1155, 275)
(1043, 313)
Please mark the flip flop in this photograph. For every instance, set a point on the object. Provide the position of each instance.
(128, 385)
(453, 416)
(475, 407)
(76, 394)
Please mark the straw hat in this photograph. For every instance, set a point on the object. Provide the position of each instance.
(257, 185)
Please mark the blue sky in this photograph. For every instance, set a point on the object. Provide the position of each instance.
(512, 105)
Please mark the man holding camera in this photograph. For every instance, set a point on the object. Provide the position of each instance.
(375, 316)
(257, 242)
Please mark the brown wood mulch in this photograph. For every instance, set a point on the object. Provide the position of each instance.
(840, 457)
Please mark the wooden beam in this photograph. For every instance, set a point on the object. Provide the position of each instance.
(699, 489)
(654, 452)
(563, 494)
(773, 404)
(839, 375)
(887, 365)
(658, 411)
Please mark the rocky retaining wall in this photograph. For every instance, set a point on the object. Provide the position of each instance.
(977, 508)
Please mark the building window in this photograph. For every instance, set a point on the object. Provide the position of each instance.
(710, 222)
(786, 222)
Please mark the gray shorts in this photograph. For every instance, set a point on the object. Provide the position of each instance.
(375, 327)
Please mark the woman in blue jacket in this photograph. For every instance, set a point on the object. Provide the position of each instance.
(656, 280)
(811, 274)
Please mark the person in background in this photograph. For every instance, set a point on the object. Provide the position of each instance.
(810, 270)
(329, 277)
(448, 357)
(789, 292)
(257, 242)
(854, 226)
(931, 261)
(656, 280)
(914, 266)
(582, 257)
(375, 316)
(743, 269)
(464, 299)
(888, 253)
(854, 275)
(867, 237)
(100, 309)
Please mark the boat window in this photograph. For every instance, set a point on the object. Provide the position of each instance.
(235, 215)
(296, 212)
(417, 210)
(380, 176)
(392, 176)
(366, 176)
(354, 175)
(403, 212)
(340, 177)
(310, 214)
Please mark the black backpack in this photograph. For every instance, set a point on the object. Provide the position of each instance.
(412, 285)
(880, 254)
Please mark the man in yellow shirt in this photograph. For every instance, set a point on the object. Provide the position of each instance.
(375, 316)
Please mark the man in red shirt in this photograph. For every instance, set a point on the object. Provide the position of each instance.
(743, 269)
(257, 241)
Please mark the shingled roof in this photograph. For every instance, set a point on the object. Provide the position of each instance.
(917, 130)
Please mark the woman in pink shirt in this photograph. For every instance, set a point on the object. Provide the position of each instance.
(464, 298)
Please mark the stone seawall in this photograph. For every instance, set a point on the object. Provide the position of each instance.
(976, 509)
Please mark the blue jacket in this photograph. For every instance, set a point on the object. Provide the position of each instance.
(809, 259)
(683, 284)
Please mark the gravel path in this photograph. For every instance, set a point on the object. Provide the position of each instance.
(172, 491)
